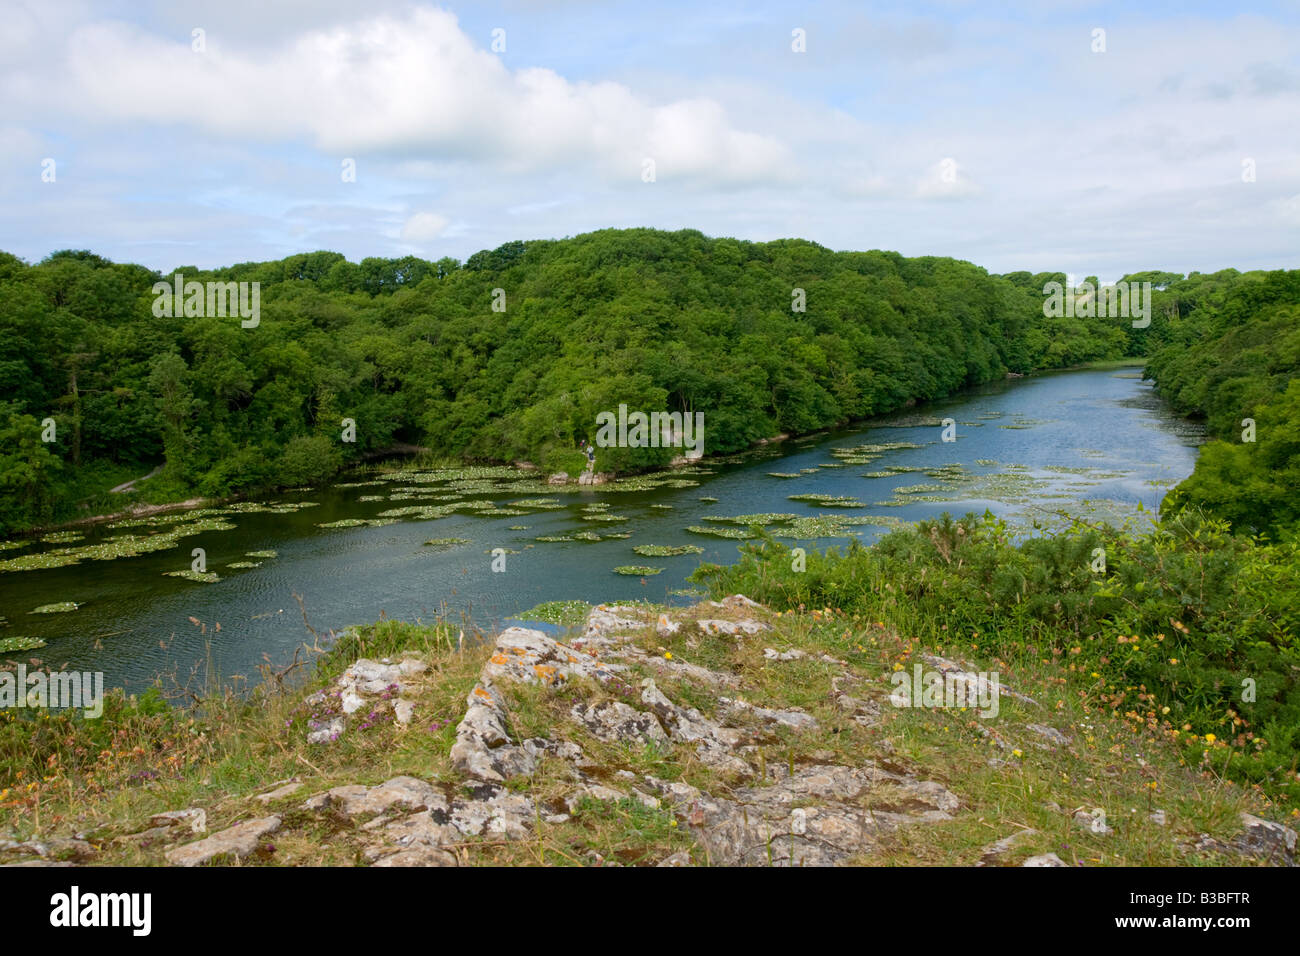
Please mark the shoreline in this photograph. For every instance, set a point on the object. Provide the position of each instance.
(411, 451)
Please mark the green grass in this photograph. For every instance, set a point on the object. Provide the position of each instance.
(61, 773)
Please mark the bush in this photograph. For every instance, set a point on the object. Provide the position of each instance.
(308, 459)
(1185, 616)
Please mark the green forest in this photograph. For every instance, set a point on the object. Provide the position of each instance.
(510, 355)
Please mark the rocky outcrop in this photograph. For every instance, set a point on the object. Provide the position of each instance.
(711, 755)
(818, 814)
(366, 693)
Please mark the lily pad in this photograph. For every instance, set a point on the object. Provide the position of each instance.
(63, 537)
(59, 608)
(9, 645)
(189, 574)
(666, 550)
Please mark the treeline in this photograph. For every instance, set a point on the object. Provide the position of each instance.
(1232, 356)
(414, 352)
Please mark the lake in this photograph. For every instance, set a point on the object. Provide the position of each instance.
(1095, 442)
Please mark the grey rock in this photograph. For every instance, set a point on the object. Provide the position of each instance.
(1094, 821)
(60, 848)
(483, 749)
(684, 723)
(493, 811)
(845, 811)
(1265, 839)
(354, 800)
(790, 718)
(1045, 859)
(1051, 734)
(427, 828)
(730, 628)
(975, 685)
(419, 856)
(332, 730)
(238, 842)
(592, 792)
(666, 626)
(410, 667)
(36, 863)
(279, 793)
(195, 818)
(994, 851)
(616, 722)
(680, 858)
(364, 671)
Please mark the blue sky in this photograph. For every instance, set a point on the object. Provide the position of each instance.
(993, 133)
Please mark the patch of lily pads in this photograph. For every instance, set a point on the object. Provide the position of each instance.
(666, 550)
(830, 526)
(200, 577)
(63, 537)
(738, 534)
(445, 544)
(828, 501)
(118, 546)
(636, 570)
(10, 645)
(762, 518)
(60, 607)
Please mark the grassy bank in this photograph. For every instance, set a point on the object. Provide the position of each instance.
(101, 781)
(1184, 630)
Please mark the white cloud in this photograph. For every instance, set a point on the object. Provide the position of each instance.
(424, 226)
(415, 87)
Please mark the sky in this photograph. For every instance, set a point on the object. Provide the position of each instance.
(1093, 139)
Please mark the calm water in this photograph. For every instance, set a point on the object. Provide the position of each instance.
(1095, 442)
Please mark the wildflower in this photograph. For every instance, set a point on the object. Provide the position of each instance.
(1017, 753)
(668, 655)
(1210, 738)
